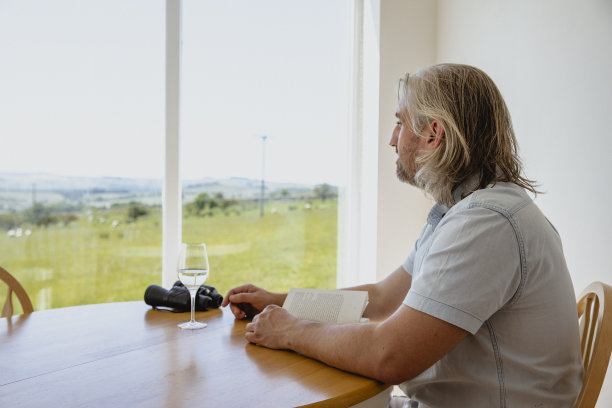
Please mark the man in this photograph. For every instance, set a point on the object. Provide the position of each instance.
(482, 312)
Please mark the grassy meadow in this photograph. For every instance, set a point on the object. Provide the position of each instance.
(101, 257)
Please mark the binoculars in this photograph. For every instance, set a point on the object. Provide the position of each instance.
(178, 299)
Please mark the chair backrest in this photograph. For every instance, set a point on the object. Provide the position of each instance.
(14, 286)
(595, 340)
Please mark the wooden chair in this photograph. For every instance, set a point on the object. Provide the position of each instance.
(595, 340)
(14, 286)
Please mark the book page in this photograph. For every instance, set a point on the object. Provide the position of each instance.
(328, 306)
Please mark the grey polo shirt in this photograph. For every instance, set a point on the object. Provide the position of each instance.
(494, 266)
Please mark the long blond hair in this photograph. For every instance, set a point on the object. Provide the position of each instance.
(479, 138)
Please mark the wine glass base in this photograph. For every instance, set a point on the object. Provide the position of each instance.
(192, 325)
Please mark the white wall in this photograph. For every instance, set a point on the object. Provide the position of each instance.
(552, 60)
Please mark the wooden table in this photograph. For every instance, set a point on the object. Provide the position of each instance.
(128, 355)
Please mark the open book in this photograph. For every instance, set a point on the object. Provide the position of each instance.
(328, 306)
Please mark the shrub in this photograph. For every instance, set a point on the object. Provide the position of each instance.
(136, 211)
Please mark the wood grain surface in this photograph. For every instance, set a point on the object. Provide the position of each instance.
(128, 355)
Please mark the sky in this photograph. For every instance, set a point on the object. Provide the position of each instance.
(82, 88)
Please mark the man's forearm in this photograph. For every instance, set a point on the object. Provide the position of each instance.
(376, 309)
(393, 351)
(279, 298)
(386, 296)
(350, 347)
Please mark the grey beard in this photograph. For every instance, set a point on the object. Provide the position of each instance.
(403, 175)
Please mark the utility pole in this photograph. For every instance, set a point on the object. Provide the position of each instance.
(263, 168)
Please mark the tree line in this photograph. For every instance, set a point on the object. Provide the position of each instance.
(204, 204)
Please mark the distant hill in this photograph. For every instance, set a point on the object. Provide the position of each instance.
(53, 182)
(19, 190)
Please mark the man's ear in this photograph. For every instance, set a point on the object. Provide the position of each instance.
(436, 134)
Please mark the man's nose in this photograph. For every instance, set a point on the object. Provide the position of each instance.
(393, 140)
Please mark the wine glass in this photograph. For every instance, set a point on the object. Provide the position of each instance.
(193, 272)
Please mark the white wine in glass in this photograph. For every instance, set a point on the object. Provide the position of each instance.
(192, 272)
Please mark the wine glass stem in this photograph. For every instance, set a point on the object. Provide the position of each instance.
(192, 294)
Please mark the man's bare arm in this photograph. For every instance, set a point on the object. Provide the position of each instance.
(246, 301)
(396, 350)
(386, 296)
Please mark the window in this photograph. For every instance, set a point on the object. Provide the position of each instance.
(82, 124)
(264, 96)
(81, 119)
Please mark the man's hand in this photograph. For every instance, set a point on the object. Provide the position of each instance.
(246, 301)
(272, 328)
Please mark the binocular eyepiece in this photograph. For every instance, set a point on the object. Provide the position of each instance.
(179, 300)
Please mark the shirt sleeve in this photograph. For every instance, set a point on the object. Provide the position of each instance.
(470, 271)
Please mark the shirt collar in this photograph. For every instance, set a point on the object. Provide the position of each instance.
(460, 192)
(466, 188)
(435, 214)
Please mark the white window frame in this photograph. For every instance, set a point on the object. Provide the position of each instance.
(171, 192)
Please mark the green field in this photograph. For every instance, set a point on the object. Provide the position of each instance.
(101, 257)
